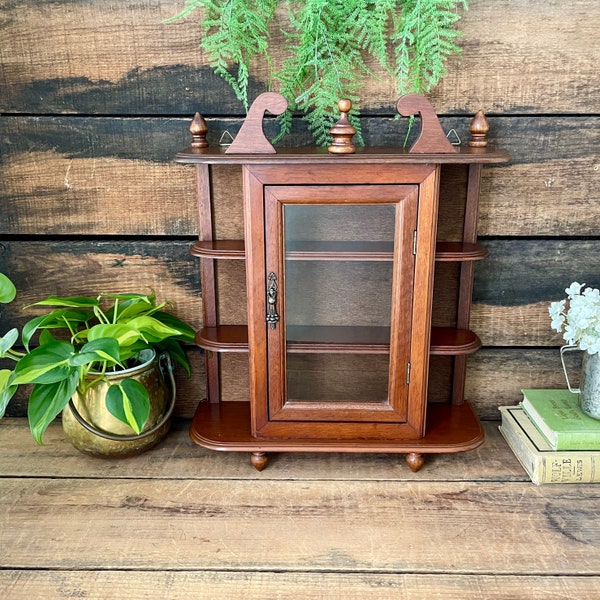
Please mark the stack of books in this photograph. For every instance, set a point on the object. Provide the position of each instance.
(552, 438)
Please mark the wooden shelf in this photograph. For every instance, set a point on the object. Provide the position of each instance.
(223, 338)
(231, 249)
(351, 251)
(363, 156)
(375, 251)
(351, 340)
(226, 426)
(459, 251)
(449, 341)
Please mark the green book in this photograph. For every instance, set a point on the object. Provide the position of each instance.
(557, 415)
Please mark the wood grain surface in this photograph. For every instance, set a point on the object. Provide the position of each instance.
(97, 97)
(210, 585)
(182, 520)
(346, 526)
(103, 57)
(115, 176)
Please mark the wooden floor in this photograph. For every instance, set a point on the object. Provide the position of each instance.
(183, 522)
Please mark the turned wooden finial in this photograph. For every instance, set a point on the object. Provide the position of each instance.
(479, 128)
(199, 129)
(342, 131)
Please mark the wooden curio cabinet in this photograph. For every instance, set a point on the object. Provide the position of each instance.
(345, 313)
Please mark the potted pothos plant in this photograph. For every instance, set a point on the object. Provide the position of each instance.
(329, 48)
(83, 344)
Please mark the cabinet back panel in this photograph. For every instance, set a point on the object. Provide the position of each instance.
(453, 185)
(228, 207)
(235, 376)
(337, 377)
(231, 291)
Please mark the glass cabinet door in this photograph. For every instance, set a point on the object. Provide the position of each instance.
(339, 301)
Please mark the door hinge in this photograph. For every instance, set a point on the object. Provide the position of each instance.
(415, 242)
(408, 373)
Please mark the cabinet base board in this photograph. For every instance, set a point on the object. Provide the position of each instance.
(225, 426)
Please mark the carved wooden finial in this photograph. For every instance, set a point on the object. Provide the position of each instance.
(343, 131)
(199, 129)
(251, 137)
(479, 128)
(432, 137)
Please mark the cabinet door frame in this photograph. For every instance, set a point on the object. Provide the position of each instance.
(405, 199)
(264, 416)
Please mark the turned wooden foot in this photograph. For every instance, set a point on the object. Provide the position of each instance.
(259, 460)
(415, 461)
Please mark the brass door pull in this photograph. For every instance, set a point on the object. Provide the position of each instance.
(272, 316)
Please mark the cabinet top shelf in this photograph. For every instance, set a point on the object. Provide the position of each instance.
(373, 155)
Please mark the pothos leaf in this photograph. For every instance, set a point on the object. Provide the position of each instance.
(129, 402)
(47, 401)
(7, 289)
(46, 364)
(7, 390)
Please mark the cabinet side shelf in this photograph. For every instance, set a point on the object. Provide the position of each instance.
(459, 251)
(352, 340)
(231, 249)
(375, 251)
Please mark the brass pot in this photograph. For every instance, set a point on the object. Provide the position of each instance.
(93, 430)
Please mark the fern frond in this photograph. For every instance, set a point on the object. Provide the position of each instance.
(372, 28)
(234, 32)
(424, 38)
(329, 43)
(325, 63)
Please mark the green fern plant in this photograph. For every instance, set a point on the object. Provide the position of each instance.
(324, 64)
(424, 37)
(234, 32)
(329, 44)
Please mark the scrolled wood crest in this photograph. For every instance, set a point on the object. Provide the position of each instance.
(251, 138)
(432, 137)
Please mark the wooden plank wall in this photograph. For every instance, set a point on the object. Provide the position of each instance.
(96, 99)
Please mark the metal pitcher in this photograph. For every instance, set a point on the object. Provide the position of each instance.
(589, 384)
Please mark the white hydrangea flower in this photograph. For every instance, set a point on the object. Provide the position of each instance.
(578, 317)
(556, 315)
(574, 289)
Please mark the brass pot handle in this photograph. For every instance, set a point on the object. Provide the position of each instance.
(272, 316)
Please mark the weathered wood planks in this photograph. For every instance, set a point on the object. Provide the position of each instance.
(186, 508)
(207, 586)
(512, 288)
(517, 57)
(182, 521)
(79, 268)
(115, 176)
(177, 457)
(211, 585)
(342, 526)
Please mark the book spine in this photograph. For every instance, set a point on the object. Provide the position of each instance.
(551, 467)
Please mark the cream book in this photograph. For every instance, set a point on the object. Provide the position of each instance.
(544, 465)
